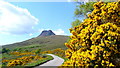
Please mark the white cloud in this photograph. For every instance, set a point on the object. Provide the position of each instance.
(30, 34)
(16, 20)
(57, 31)
(70, 0)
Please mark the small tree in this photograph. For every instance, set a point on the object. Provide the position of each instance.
(5, 50)
(76, 23)
(38, 51)
(83, 9)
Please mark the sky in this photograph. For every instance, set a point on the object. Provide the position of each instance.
(21, 21)
(40, 0)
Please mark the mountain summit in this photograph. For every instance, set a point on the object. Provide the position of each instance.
(47, 33)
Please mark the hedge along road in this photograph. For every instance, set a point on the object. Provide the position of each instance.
(57, 61)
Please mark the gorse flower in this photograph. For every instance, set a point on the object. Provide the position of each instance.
(96, 41)
(23, 60)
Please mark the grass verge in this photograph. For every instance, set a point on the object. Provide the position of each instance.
(39, 62)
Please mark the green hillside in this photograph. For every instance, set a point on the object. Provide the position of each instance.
(42, 42)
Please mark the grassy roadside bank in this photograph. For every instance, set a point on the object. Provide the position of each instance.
(39, 62)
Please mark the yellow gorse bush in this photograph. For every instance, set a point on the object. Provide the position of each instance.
(57, 51)
(20, 54)
(96, 41)
(23, 60)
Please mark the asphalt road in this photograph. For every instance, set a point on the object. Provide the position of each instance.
(57, 61)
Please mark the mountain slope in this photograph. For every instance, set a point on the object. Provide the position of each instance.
(45, 42)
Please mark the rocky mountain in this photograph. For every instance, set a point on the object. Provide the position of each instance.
(47, 33)
(47, 40)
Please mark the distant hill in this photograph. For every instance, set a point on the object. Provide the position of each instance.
(45, 42)
(47, 33)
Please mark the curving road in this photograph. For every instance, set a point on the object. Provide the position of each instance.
(57, 61)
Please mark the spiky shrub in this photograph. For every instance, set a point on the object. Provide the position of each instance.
(96, 41)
